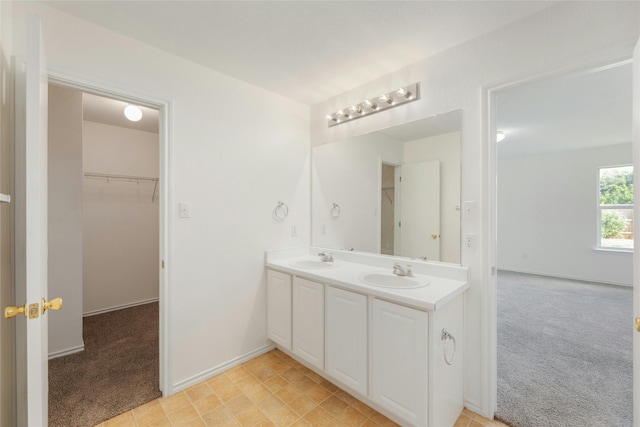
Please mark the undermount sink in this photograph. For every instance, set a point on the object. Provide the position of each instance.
(390, 280)
(312, 263)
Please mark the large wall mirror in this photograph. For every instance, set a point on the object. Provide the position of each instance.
(395, 191)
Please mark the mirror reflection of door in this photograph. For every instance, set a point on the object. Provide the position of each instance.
(418, 207)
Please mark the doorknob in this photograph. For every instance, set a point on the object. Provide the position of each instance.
(32, 311)
(12, 311)
(54, 304)
(638, 324)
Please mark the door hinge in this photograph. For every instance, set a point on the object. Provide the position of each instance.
(400, 224)
(163, 264)
(493, 270)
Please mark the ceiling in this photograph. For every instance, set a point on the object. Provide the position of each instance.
(308, 51)
(582, 110)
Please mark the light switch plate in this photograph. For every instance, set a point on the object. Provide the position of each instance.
(185, 210)
(469, 208)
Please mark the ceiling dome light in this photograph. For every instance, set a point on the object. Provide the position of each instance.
(500, 136)
(133, 113)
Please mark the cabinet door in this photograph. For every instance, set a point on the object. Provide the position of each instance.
(308, 321)
(279, 308)
(399, 360)
(347, 338)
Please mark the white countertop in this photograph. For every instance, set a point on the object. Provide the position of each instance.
(447, 281)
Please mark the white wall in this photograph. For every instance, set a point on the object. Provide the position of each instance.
(571, 34)
(65, 219)
(446, 149)
(120, 224)
(547, 215)
(232, 159)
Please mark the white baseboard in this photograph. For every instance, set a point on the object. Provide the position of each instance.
(475, 408)
(181, 385)
(120, 307)
(66, 352)
(568, 277)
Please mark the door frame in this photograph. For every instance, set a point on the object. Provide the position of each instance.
(599, 59)
(395, 164)
(164, 108)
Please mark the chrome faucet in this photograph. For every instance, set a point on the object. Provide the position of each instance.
(399, 270)
(325, 257)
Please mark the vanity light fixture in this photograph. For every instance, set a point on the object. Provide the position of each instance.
(133, 113)
(374, 105)
(500, 135)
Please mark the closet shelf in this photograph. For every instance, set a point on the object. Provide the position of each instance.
(126, 178)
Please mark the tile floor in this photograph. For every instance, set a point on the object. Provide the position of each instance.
(270, 390)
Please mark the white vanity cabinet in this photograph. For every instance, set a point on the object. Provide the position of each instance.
(389, 353)
(399, 360)
(346, 338)
(308, 321)
(279, 308)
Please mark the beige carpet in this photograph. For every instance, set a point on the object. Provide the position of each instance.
(117, 371)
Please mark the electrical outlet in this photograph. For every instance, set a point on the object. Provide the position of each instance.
(469, 240)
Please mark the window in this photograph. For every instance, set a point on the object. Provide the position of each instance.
(616, 208)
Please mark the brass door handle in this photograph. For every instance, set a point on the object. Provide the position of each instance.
(435, 236)
(638, 324)
(12, 311)
(54, 304)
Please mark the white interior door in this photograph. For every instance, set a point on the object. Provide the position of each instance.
(31, 230)
(419, 205)
(636, 239)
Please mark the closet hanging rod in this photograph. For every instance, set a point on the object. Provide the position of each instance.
(127, 178)
(130, 178)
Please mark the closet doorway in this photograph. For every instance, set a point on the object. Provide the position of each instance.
(104, 246)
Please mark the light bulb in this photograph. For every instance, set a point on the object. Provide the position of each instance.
(386, 98)
(133, 113)
(370, 104)
(500, 136)
(402, 92)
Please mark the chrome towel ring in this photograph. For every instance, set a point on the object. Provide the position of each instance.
(335, 211)
(446, 337)
(281, 211)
